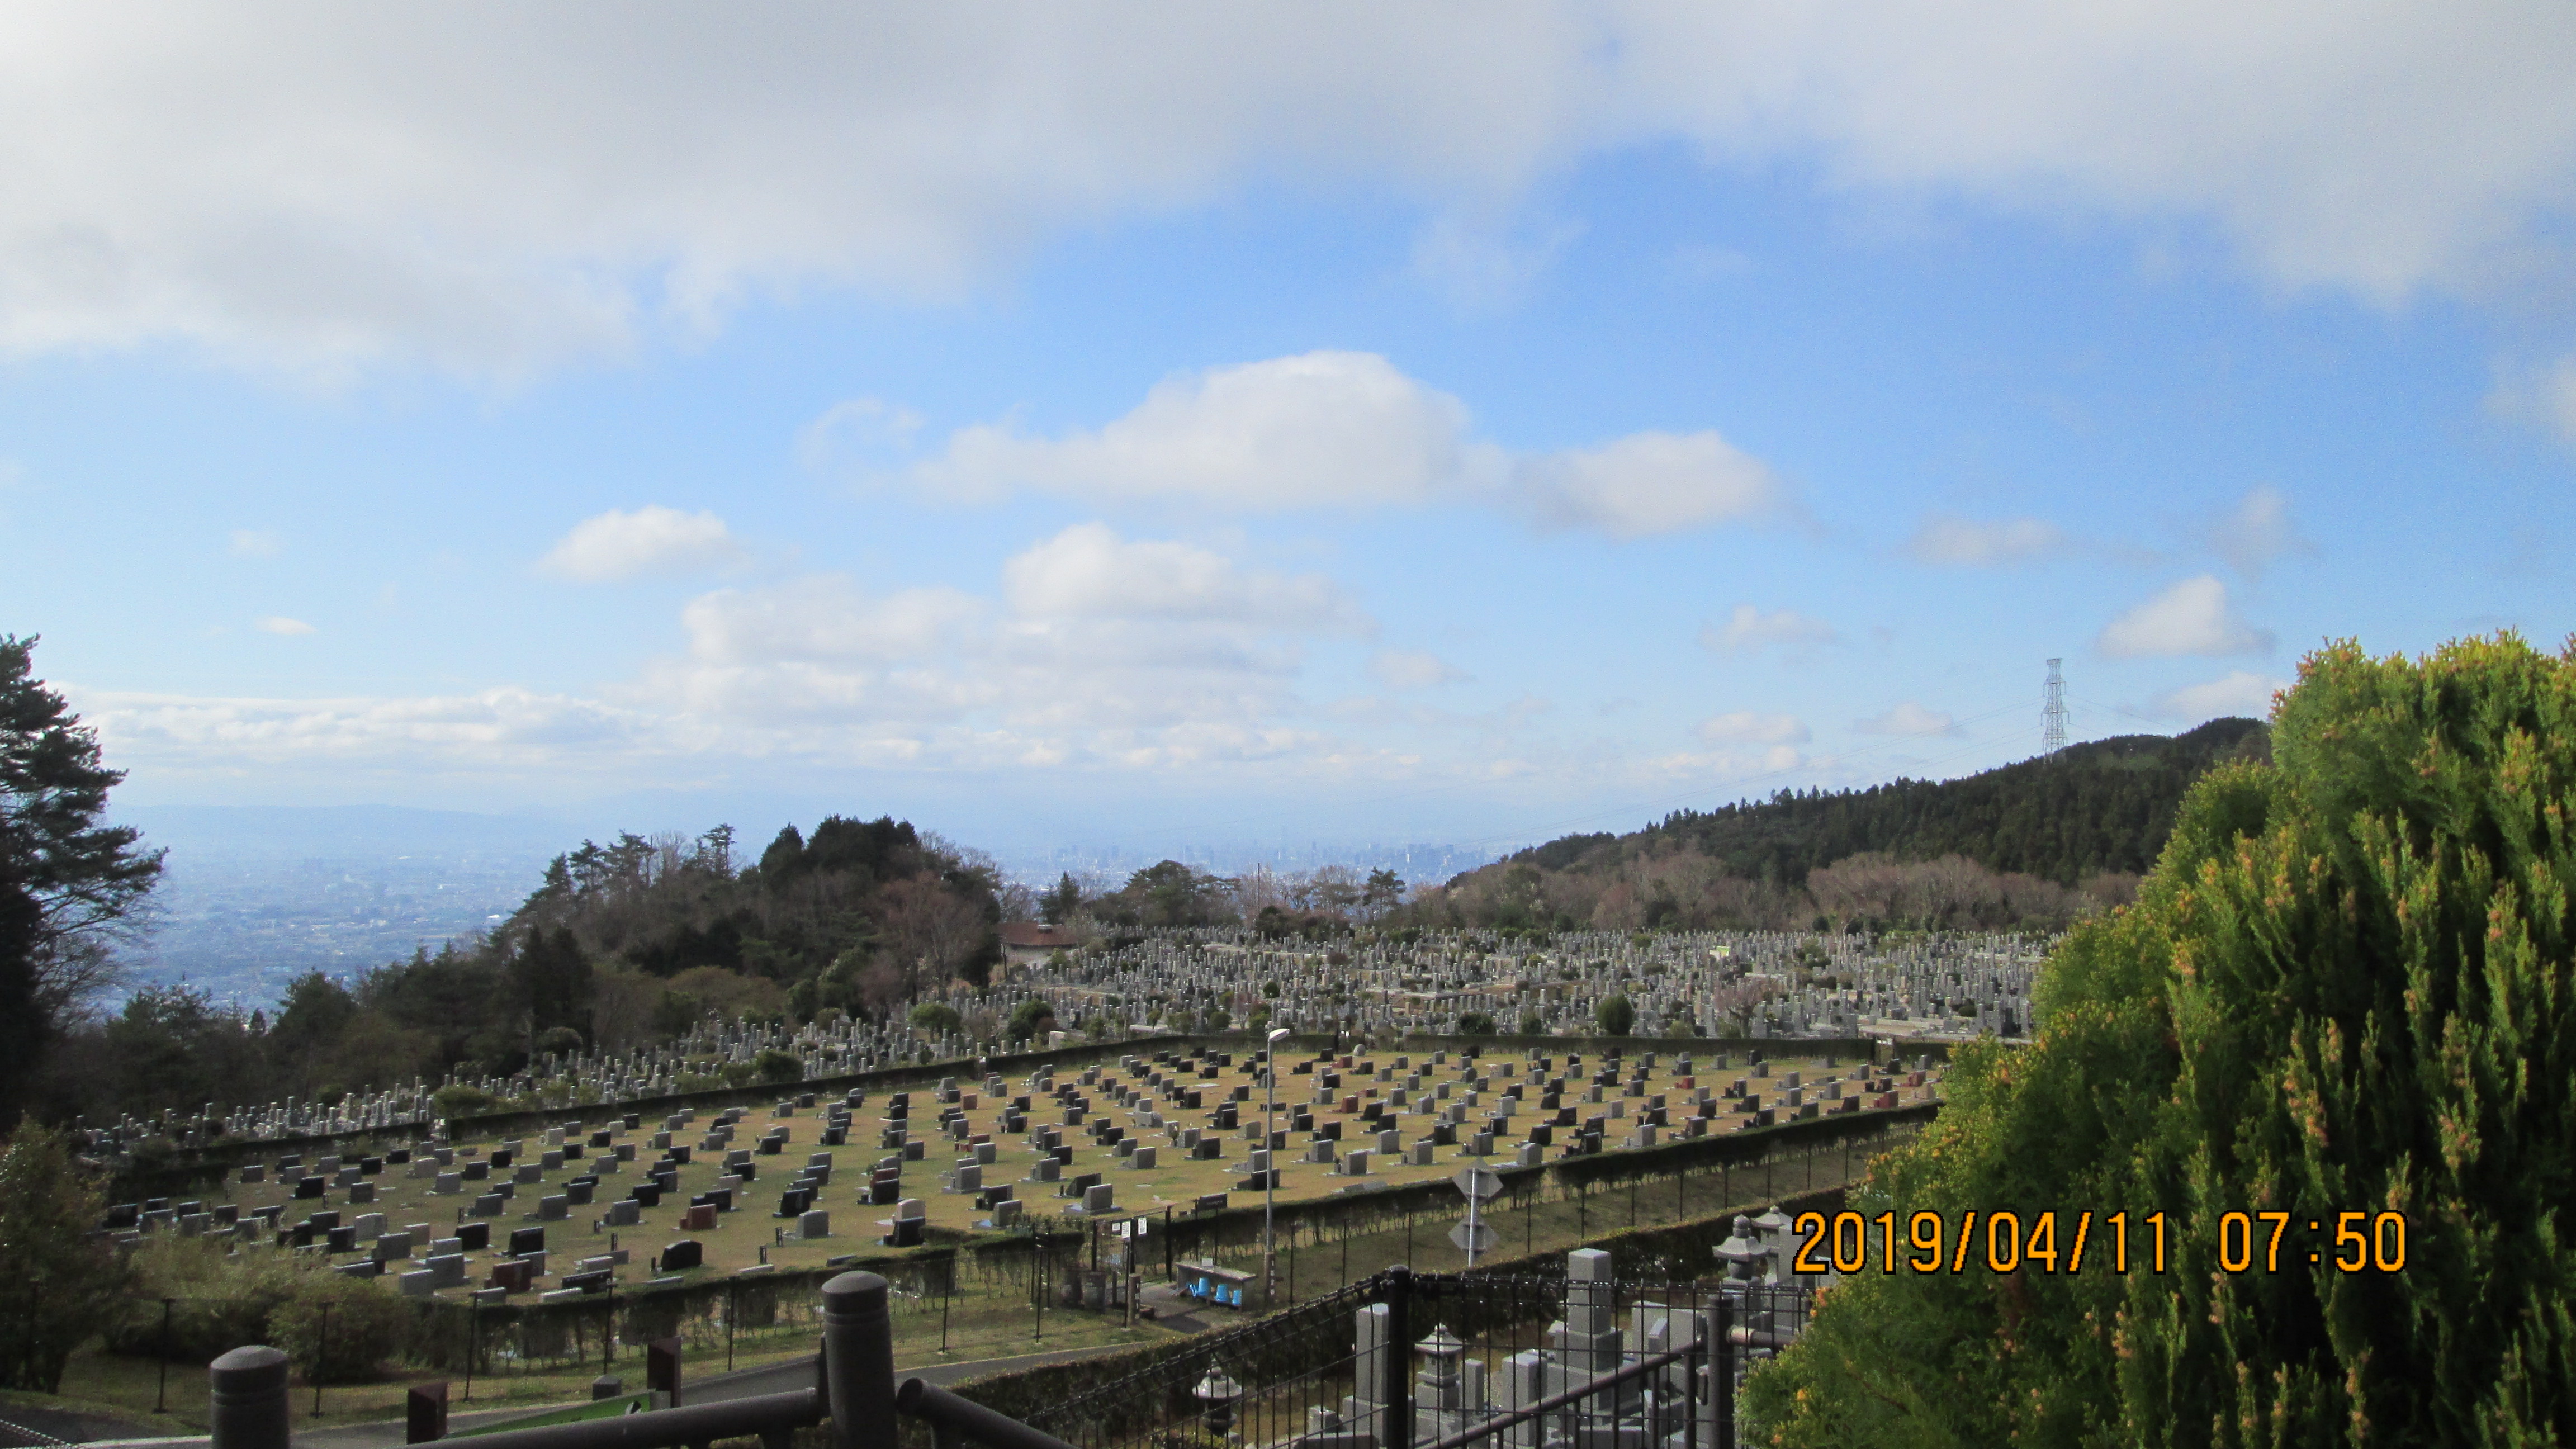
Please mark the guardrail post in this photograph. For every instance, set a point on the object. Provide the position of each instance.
(1399, 1358)
(248, 1390)
(858, 1361)
(425, 1413)
(1721, 1390)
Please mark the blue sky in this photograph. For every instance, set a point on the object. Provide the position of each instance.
(1136, 426)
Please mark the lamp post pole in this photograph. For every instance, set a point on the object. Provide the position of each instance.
(1270, 1155)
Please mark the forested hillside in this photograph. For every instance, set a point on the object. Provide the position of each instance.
(2034, 843)
(626, 942)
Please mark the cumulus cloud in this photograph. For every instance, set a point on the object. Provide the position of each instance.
(1651, 483)
(280, 625)
(1908, 718)
(1965, 543)
(1412, 669)
(256, 543)
(1750, 727)
(2238, 693)
(1096, 648)
(1088, 571)
(1348, 430)
(1324, 428)
(1749, 630)
(2192, 617)
(651, 540)
(2256, 531)
(487, 187)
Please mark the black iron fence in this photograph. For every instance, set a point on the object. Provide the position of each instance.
(1406, 1359)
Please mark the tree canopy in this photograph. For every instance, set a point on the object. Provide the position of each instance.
(70, 884)
(2345, 989)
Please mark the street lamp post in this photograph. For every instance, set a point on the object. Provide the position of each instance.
(1270, 1155)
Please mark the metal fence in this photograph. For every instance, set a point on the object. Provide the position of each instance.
(1406, 1360)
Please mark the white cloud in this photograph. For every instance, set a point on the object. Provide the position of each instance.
(257, 543)
(1749, 727)
(1088, 571)
(652, 539)
(1966, 543)
(1749, 630)
(2239, 693)
(489, 188)
(1413, 669)
(1650, 483)
(511, 729)
(2256, 531)
(1324, 428)
(276, 624)
(2192, 617)
(1349, 430)
(1484, 268)
(856, 432)
(2542, 395)
(1908, 718)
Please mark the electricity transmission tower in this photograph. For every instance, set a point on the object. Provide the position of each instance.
(2052, 736)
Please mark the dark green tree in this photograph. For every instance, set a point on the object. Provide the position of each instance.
(935, 1016)
(1616, 1014)
(1059, 905)
(2345, 989)
(72, 885)
(1032, 1017)
(552, 977)
(59, 1286)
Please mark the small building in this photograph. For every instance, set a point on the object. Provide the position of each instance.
(1030, 943)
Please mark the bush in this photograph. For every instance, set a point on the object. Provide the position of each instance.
(1533, 1024)
(1616, 1014)
(58, 1285)
(460, 1100)
(937, 1017)
(1475, 1023)
(1032, 1017)
(364, 1327)
(779, 1067)
(224, 1300)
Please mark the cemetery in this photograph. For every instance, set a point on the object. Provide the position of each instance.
(818, 1178)
(1741, 989)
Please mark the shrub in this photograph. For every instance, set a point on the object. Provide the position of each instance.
(364, 1327)
(459, 1100)
(1475, 1023)
(779, 1066)
(935, 1017)
(223, 1300)
(1616, 1014)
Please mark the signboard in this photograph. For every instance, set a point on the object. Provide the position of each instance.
(1474, 1238)
(1478, 1182)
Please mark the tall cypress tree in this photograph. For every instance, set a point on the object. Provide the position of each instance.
(2349, 986)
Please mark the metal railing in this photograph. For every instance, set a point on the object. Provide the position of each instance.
(1354, 1356)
